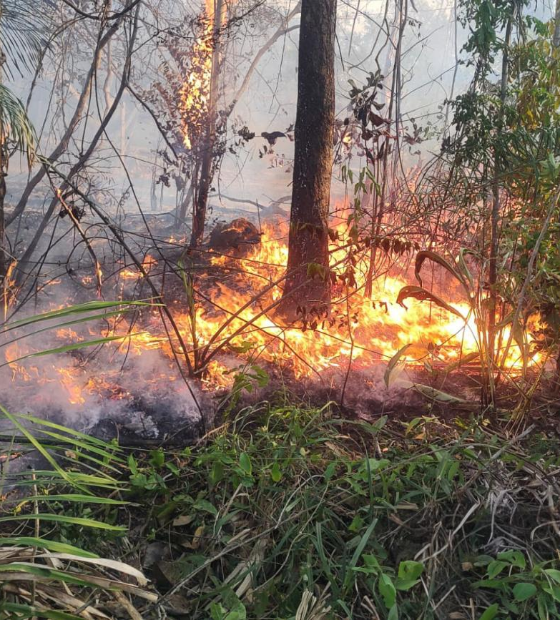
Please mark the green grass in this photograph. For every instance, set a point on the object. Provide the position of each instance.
(288, 513)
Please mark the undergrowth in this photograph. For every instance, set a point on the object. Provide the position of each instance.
(289, 513)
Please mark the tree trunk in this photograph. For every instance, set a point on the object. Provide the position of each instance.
(207, 163)
(492, 353)
(556, 37)
(307, 280)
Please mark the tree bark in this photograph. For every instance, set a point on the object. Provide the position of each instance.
(556, 37)
(308, 280)
(3, 254)
(4, 261)
(493, 330)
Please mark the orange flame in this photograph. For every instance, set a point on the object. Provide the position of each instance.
(363, 331)
(195, 91)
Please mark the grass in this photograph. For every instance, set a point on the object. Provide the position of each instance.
(289, 513)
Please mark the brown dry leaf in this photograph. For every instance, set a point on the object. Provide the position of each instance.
(406, 506)
(102, 582)
(183, 520)
(334, 448)
(11, 554)
(197, 538)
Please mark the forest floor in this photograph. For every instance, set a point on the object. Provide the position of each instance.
(289, 512)
(355, 505)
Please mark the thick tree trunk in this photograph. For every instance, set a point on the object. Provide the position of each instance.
(207, 163)
(307, 280)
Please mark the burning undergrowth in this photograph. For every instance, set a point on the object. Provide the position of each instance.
(158, 373)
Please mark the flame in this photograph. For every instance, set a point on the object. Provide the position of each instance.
(68, 380)
(195, 91)
(134, 274)
(361, 333)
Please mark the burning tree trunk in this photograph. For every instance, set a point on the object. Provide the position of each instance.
(307, 280)
(207, 147)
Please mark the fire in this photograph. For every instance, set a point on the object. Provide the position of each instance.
(134, 274)
(232, 327)
(195, 91)
(68, 379)
(362, 331)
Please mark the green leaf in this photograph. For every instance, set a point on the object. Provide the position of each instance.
(15, 125)
(387, 590)
(357, 524)
(72, 347)
(217, 472)
(524, 591)
(553, 574)
(157, 458)
(463, 265)
(514, 557)
(44, 572)
(491, 612)
(434, 394)
(409, 572)
(27, 611)
(371, 565)
(495, 568)
(64, 519)
(89, 306)
(42, 543)
(275, 472)
(393, 613)
(74, 497)
(45, 453)
(330, 471)
(315, 269)
(245, 463)
(204, 505)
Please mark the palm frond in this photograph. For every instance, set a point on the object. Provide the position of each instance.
(23, 28)
(15, 126)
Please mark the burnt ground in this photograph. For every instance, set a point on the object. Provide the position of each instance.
(152, 420)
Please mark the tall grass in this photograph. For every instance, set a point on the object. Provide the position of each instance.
(76, 492)
(49, 517)
(291, 513)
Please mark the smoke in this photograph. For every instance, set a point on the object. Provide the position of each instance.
(80, 386)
